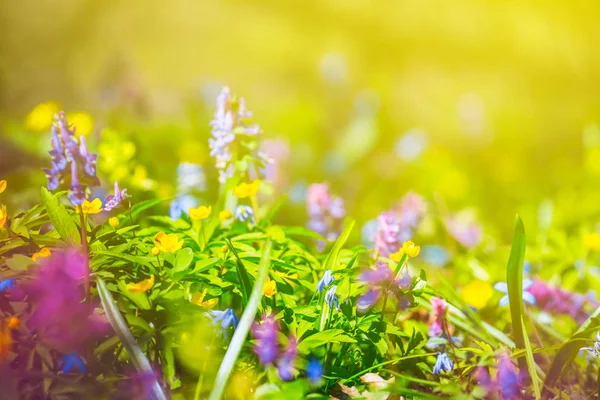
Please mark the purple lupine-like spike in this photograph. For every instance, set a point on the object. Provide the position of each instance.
(265, 334)
(77, 195)
(71, 147)
(88, 158)
(53, 178)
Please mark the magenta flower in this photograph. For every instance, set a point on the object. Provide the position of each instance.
(114, 200)
(436, 318)
(265, 334)
(326, 212)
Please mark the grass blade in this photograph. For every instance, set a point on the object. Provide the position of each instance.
(245, 283)
(239, 337)
(117, 322)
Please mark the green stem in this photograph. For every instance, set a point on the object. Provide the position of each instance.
(84, 246)
(395, 360)
(239, 337)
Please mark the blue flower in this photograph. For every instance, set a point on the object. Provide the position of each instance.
(7, 284)
(325, 281)
(443, 364)
(331, 299)
(314, 372)
(527, 297)
(181, 205)
(244, 214)
(190, 177)
(224, 318)
(594, 351)
(71, 361)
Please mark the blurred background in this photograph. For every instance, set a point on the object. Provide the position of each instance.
(490, 105)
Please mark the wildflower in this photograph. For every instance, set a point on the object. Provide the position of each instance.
(167, 243)
(436, 318)
(201, 212)
(465, 229)
(408, 248)
(285, 365)
(89, 159)
(595, 350)
(113, 221)
(244, 190)
(325, 280)
(198, 299)
(314, 372)
(270, 288)
(90, 207)
(325, 211)
(13, 323)
(477, 293)
(2, 186)
(225, 215)
(527, 297)
(114, 200)
(141, 286)
(77, 193)
(155, 251)
(331, 299)
(507, 378)
(7, 284)
(443, 363)
(224, 318)
(181, 205)
(590, 239)
(381, 281)
(244, 214)
(3, 215)
(43, 253)
(557, 300)
(265, 334)
(72, 360)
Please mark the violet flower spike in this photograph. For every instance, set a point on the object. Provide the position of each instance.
(77, 195)
(285, 366)
(266, 337)
(113, 201)
(89, 158)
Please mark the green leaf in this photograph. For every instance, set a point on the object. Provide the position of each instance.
(332, 258)
(144, 260)
(142, 206)
(60, 218)
(139, 299)
(136, 355)
(183, 260)
(514, 280)
(325, 337)
(245, 283)
(19, 263)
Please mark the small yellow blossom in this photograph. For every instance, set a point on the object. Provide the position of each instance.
(91, 207)
(141, 286)
(83, 121)
(270, 288)
(408, 248)
(2, 186)
(40, 118)
(477, 293)
(43, 253)
(3, 215)
(167, 243)
(198, 299)
(13, 323)
(592, 240)
(244, 189)
(155, 251)
(201, 212)
(225, 215)
(224, 248)
(287, 277)
(113, 221)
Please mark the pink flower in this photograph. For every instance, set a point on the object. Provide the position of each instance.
(465, 229)
(436, 318)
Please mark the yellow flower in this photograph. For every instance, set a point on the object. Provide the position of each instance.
(155, 251)
(408, 248)
(167, 243)
(244, 189)
(141, 286)
(477, 293)
(592, 240)
(3, 215)
(43, 253)
(225, 214)
(270, 288)
(198, 299)
(113, 221)
(40, 118)
(93, 207)
(83, 121)
(287, 277)
(13, 323)
(2, 186)
(201, 212)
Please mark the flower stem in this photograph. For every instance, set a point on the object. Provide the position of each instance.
(84, 247)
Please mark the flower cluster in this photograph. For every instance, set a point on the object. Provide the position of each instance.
(325, 211)
(437, 331)
(397, 226)
(557, 300)
(381, 282)
(72, 163)
(267, 347)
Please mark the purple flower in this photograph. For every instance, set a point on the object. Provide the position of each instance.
(265, 334)
(436, 318)
(285, 365)
(443, 363)
(381, 281)
(224, 318)
(557, 300)
(326, 280)
(77, 195)
(89, 159)
(114, 200)
(507, 378)
(314, 372)
(72, 360)
(325, 211)
(7, 284)
(465, 229)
